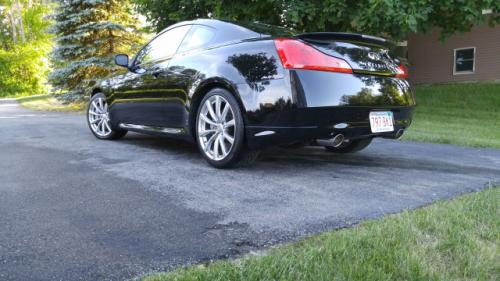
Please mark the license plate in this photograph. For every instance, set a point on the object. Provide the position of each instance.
(381, 121)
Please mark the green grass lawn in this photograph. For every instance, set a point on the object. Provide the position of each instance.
(49, 103)
(451, 240)
(462, 114)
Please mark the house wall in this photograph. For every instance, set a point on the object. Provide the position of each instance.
(431, 61)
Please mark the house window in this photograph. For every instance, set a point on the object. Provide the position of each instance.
(464, 61)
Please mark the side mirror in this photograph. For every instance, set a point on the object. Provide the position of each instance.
(122, 60)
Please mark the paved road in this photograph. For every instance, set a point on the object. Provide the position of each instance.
(75, 208)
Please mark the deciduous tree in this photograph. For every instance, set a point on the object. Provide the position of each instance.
(24, 47)
(392, 18)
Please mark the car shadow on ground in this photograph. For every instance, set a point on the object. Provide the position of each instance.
(306, 155)
(311, 157)
(160, 143)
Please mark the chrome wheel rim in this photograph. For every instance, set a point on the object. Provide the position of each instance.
(99, 117)
(216, 128)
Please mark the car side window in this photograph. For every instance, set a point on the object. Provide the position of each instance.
(163, 46)
(199, 36)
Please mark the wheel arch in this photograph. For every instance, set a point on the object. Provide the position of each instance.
(200, 93)
(95, 91)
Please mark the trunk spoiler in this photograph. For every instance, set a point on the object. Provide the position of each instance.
(345, 36)
(365, 54)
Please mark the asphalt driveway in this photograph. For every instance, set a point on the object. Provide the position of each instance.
(75, 208)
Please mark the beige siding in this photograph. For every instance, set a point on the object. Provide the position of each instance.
(431, 61)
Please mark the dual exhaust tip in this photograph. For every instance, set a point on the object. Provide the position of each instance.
(336, 141)
(339, 139)
(399, 133)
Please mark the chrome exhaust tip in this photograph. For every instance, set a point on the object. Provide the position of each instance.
(400, 133)
(336, 141)
(395, 136)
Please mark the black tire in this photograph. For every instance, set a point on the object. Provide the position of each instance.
(239, 155)
(115, 133)
(351, 146)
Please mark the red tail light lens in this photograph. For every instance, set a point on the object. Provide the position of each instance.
(295, 54)
(402, 72)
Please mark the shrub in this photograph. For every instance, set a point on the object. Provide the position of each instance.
(24, 68)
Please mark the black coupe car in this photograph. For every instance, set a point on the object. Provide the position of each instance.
(235, 89)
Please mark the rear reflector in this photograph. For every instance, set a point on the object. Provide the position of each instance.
(402, 72)
(295, 54)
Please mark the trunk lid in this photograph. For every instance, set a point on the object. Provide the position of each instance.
(365, 54)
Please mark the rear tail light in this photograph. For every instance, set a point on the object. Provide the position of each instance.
(295, 54)
(402, 72)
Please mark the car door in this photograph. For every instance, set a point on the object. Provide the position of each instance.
(145, 97)
(184, 70)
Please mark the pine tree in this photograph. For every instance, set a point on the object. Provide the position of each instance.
(89, 34)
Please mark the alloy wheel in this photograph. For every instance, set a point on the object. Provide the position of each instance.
(98, 116)
(216, 127)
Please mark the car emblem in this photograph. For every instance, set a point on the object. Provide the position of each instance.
(374, 56)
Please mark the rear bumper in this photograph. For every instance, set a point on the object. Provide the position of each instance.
(325, 123)
(323, 104)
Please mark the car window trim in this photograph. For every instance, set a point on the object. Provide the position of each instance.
(205, 47)
(134, 65)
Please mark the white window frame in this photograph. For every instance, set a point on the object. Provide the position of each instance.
(455, 72)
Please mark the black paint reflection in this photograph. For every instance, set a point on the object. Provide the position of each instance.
(359, 56)
(379, 91)
(337, 89)
(270, 111)
(255, 68)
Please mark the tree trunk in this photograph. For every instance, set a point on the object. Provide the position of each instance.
(13, 24)
(27, 23)
(111, 42)
(21, 25)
